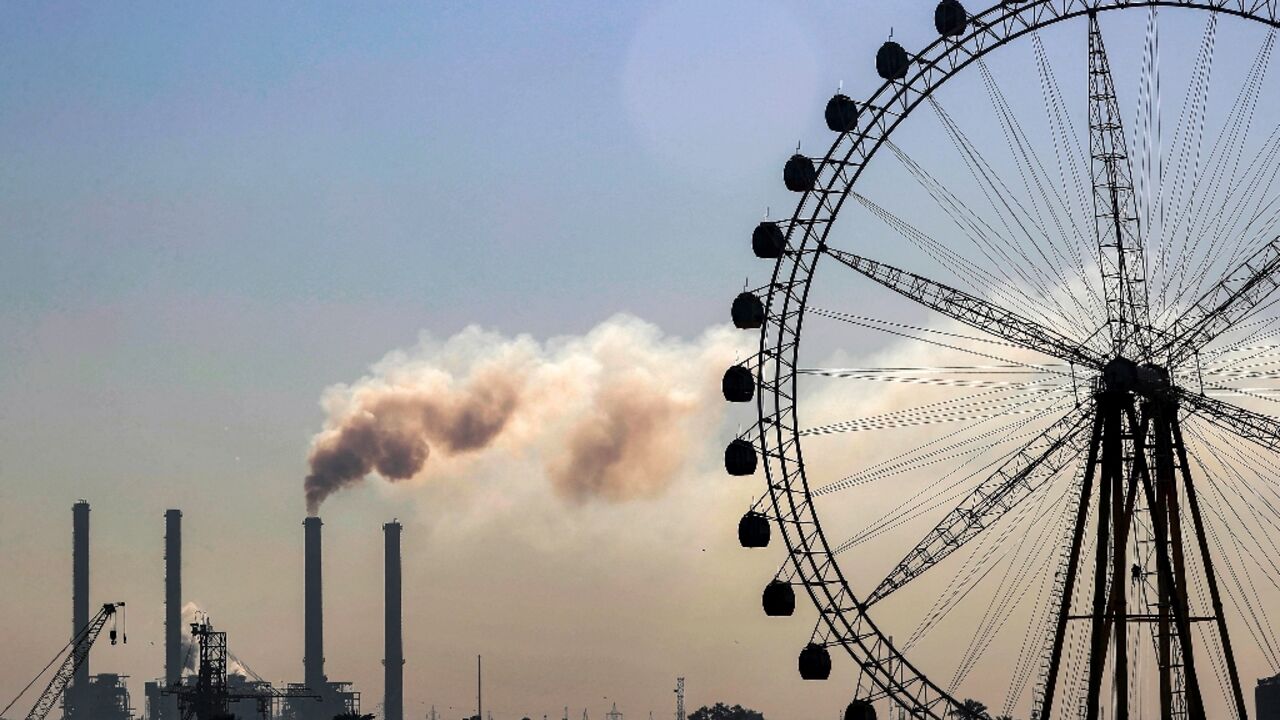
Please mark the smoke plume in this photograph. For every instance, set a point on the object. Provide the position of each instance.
(193, 613)
(607, 415)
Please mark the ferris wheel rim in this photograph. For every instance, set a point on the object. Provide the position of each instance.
(809, 554)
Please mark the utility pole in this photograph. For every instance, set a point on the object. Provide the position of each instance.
(479, 696)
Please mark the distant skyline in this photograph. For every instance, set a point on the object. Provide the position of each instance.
(216, 219)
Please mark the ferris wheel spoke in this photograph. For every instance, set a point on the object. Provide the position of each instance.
(970, 225)
(1066, 146)
(1256, 427)
(962, 268)
(1012, 482)
(917, 333)
(1257, 190)
(1011, 589)
(1147, 123)
(1189, 130)
(1012, 277)
(1223, 164)
(1032, 174)
(1228, 302)
(973, 311)
(969, 408)
(1015, 218)
(1231, 460)
(962, 447)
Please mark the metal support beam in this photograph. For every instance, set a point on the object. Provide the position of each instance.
(1116, 221)
(1163, 501)
(1211, 578)
(973, 311)
(1073, 565)
(1261, 429)
(1110, 410)
(1232, 298)
(1016, 479)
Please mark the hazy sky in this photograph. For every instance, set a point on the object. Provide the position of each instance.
(209, 214)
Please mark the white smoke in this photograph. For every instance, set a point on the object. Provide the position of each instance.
(609, 415)
(192, 613)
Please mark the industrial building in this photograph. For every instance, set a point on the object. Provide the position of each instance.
(211, 690)
(1266, 699)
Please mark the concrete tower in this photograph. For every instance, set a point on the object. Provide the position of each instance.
(172, 597)
(313, 608)
(79, 600)
(393, 653)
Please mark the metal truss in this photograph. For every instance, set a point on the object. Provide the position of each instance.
(973, 311)
(1229, 300)
(1115, 211)
(1261, 429)
(1017, 479)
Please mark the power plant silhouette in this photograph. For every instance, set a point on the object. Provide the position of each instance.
(202, 679)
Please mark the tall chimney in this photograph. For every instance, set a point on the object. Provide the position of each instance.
(79, 597)
(172, 597)
(313, 641)
(393, 653)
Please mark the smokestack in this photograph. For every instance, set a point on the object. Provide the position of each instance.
(313, 642)
(393, 653)
(173, 597)
(79, 595)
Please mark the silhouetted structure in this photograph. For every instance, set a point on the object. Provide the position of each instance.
(212, 691)
(213, 694)
(336, 697)
(393, 655)
(1122, 445)
(73, 656)
(173, 660)
(1266, 699)
(73, 701)
(106, 697)
(313, 605)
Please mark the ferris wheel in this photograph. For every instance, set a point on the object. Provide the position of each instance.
(1019, 437)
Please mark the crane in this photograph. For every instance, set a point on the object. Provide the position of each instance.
(74, 658)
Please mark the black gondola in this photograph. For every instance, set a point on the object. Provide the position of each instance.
(753, 530)
(799, 174)
(740, 458)
(778, 599)
(950, 19)
(815, 662)
(842, 113)
(739, 385)
(892, 61)
(767, 240)
(747, 311)
(860, 710)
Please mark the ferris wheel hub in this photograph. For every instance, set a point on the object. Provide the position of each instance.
(1124, 375)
